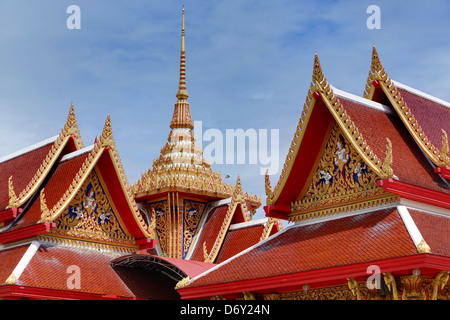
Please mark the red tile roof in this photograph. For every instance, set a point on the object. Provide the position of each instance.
(54, 189)
(409, 163)
(49, 269)
(366, 237)
(431, 116)
(22, 168)
(209, 231)
(189, 267)
(434, 229)
(9, 259)
(238, 240)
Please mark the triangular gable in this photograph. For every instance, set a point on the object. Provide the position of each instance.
(380, 87)
(236, 212)
(67, 141)
(321, 111)
(98, 194)
(342, 181)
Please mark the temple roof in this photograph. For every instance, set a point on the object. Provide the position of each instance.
(22, 172)
(377, 133)
(427, 118)
(48, 267)
(308, 249)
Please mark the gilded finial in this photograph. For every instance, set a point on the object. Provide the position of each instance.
(182, 33)
(182, 93)
(386, 170)
(376, 63)
(11, 193)
(106, 138)
(45, 212)
(268, 189)
(318, 78)
(444, 149)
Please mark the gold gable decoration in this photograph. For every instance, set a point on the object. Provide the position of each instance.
(70, 130)
(105, 143)
(341, 178)
(321, 89)
(90, 216)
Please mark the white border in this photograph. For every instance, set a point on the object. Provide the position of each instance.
(410, 225)
(246, 224)
(26, 258)
(363, 101)
(76, 153)
(421, 94)
(28, 149)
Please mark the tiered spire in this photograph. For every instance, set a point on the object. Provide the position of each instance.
(181, 165)
(182, 113)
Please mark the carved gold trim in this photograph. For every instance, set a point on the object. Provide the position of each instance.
(69, 130)
(341, 182)
(408, 287)
(423, 247)
(354, 288)
(379, 74)
(350, 130)
(236, 199)
(11, 194)
(320, 86)
(268, 226)
(83, 243)
(439, 282)
(182, 283)
(384, 199)
(105, 143)
(391, 284)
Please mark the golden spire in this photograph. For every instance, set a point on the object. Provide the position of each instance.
(182, 93)
(182, 113)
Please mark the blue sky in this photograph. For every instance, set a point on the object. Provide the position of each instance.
(249, 65)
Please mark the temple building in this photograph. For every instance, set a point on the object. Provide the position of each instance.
(72, 227)
(366, 183)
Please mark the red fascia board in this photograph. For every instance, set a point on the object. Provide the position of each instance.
(27, 232)
(106, 167)
(9, 214)
(416, 193)
(17, 292)
(443, 171)
(146, 243)
(278, 211)
(330, 276)
(309, 151)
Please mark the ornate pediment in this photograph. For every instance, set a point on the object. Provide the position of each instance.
(177, 220)
(341, 178)
(91, 216)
